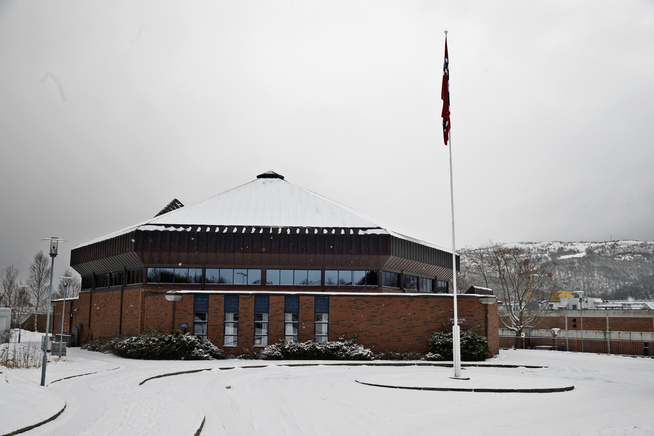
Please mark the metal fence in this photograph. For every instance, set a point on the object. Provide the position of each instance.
(630, 348)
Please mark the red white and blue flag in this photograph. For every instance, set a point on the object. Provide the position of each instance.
(445, 96)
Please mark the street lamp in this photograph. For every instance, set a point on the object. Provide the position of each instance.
(54, 246)
(173, 297)
(63, 312)
(555, 333)
(581, 312)
(20, 314)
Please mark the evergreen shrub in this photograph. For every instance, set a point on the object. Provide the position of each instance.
(474, 347)
(158, 345)
(336, 350)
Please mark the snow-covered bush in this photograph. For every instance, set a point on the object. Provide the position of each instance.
(103, 345)
(474, 347)
(157, 345)
(310, 350)
(392, 355)
(24, 356)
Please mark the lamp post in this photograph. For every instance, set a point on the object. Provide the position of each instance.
(20, 314)
(173, 297)
(555, 333)
(54, 246)
(581, 312)
(63, 312)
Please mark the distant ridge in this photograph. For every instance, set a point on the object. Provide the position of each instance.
(616, 270)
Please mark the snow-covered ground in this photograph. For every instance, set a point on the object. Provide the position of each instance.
(107, 395)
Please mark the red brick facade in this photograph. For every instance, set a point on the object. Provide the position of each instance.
(380, 322)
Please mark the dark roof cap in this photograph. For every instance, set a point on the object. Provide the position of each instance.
(270, 175)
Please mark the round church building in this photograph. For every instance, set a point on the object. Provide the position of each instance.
(266, 261)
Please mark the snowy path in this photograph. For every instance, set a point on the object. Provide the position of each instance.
(612, 396)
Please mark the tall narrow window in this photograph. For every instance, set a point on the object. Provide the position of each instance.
(200, 312)
(231, 321)
(321, 318)
(261, 320)
(291, 317)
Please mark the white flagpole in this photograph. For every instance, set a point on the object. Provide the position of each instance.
(456, 336)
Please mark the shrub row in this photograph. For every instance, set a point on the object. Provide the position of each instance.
(157, 345)
(337, 350)
(474, 347)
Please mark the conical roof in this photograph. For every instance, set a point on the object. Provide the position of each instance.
(268, 201)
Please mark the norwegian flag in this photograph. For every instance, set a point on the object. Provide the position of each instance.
(445, 96)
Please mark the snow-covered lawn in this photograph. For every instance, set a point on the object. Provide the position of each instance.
(107, 395)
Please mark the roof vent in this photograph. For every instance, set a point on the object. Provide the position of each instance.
(173, 205)
(270, 175)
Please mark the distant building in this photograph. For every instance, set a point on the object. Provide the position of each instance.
(266, 261)
(600, 327)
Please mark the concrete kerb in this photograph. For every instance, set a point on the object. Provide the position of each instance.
(486, 390)
(397, 364)
(38, 424)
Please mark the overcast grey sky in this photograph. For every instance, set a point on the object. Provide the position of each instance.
(109, 110)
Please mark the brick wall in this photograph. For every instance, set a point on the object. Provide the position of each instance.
(381, 322)
(70, 317)
(618, 320)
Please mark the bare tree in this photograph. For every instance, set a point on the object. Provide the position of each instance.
(38, 284)
(74, 286)
(522, 280)
(10, 296)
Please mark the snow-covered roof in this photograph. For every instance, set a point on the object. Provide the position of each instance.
(268, 201)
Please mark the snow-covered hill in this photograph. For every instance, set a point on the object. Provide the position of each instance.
(610, 270)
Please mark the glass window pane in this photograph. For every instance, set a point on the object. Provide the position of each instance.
(261, 341)
(200, 316)
(261, 317)
(260, 328)
(321, 329)
(300, 278)
(181, 275)
(314, 277)
(286, 277)
(372, 278)
(321, 317)
(233, 317)
(240, 277)
(226, 276)
(254, 277)
(200, 329)
(195, 275)
(391, 279)
(272, 277)
(212, 275)
(291, 317)
(359, 278)
(345, 278)
(410, 282)
(166, 275)
(230, 341)
(153, 275)
(291, 329)
(231, 328)
(331, 278)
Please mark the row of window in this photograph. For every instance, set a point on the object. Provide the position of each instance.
(274, 277)
(261, 319)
